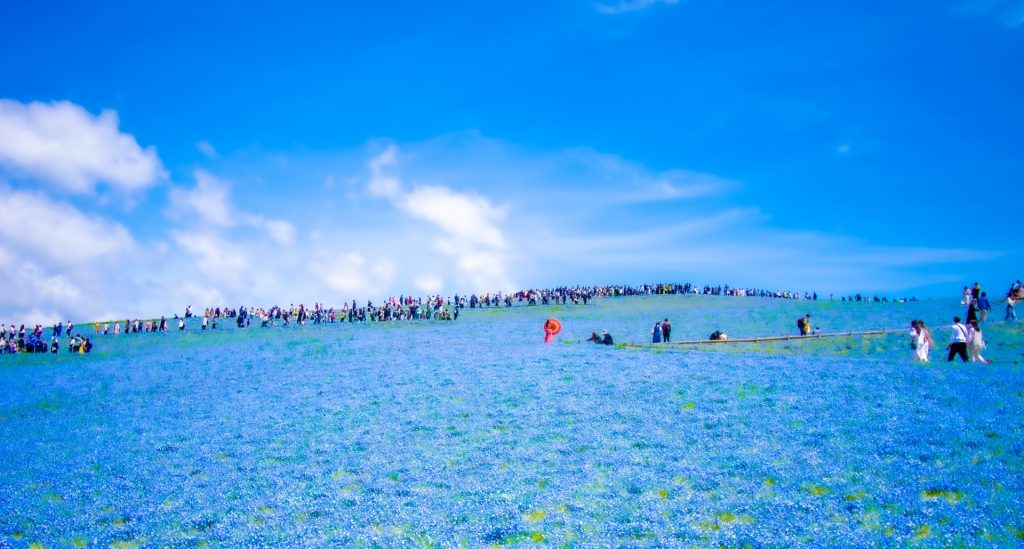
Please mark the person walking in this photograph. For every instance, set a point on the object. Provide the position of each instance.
(984, 306)
(958, 341)
(972, 310)
(1011, 313)
(915, 334)
(924, 342)
(976, 344)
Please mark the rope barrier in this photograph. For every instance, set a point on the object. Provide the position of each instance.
(772, 338)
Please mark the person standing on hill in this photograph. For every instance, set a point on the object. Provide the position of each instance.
(666, 331)
(1011, 313)
(656, 333)
(984, 306)
(958, 341)
(972, 310)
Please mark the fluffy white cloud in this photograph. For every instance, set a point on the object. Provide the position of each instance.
(64, 145)
(58, 262)
(468, 223)
(463, 215)
(57, 233)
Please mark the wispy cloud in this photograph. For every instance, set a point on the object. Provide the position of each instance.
(206, 149)
(631, 182)
(209, 203)
(625, 6)
(1006, 12)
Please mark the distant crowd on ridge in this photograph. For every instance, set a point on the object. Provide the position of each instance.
(433, 307)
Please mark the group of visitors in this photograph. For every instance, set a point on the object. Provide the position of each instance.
(966, 337)
(966, 341)
(605, 338)
(21, 341)
(661, 332)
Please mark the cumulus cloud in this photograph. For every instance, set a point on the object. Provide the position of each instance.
(58, 261)
(64, 145)
(625, 6)
(33, 225)
(462, 215)
(468, 224)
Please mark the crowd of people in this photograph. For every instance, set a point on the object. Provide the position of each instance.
(967, 340)
(15, 341)
(436, 307)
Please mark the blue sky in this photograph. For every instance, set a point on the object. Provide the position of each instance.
(259, 154)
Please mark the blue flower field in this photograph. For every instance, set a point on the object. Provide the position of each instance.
(475, 433)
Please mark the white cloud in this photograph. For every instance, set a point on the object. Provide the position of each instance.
(843, 149)
(382, 183)
(66, 146)
(625, 6)
(351, 273)
(280, 231)
(462, 215)
(622, 181)
(57, 261)
(56, 232)
(206, 149)
(429, 284)
(214, 255)
(209, 200)
(209, 203)
(468, 223)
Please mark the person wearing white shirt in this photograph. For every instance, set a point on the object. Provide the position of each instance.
(958, 340)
